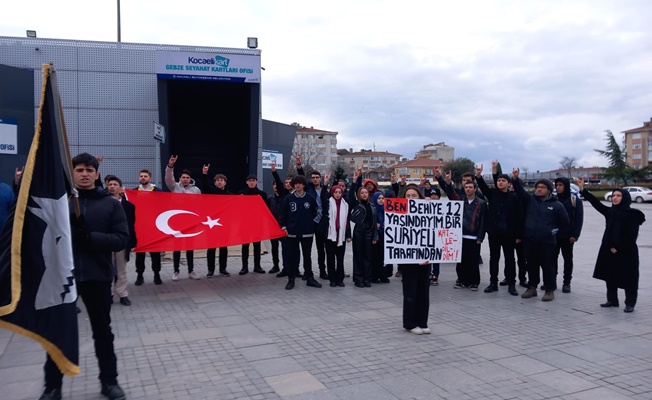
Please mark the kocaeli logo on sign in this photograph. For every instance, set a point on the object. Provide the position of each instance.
(218, 60)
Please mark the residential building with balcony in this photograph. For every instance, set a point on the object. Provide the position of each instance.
(437, 151)
(317, 148)
(417, 168)
(369, 160)
(638, 145)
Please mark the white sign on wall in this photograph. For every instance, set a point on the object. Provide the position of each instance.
(159, 132)
(8, 136)
(423, 230)
(208, 66)
(270, 156)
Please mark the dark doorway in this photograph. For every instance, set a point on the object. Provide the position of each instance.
(209, 122)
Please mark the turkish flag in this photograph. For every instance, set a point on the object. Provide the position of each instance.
(177, 221)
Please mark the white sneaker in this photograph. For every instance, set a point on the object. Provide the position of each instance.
(426, 331)
(175, 277)
(416, 331)
(194, 276)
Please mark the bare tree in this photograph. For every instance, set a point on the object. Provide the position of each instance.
(568, 163)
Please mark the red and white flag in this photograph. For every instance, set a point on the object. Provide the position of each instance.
(177, 221)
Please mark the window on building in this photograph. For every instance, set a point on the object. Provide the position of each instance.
(417, 170)
(649, 155)
(427, 171)
(403, 171)
(636, 146)
(636, 135)
(636, 156)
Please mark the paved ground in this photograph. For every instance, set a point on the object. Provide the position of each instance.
(248, 338)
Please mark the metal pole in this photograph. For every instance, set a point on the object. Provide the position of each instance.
(119, 39)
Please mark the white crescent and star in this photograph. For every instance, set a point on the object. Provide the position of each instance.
(163, 224)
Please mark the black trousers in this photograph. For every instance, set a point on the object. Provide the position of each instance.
(416, 295)
(506, 242)
(468, 271)
(565, 247)
(210, 259)
(97, 298)
(631, 295)
(176, 260)
(362, 254)
(320, 243)
(520, 261)
(156, 262)
(245, 255)
(541, 255)
(294, 243)
(378, 259)
(335, 261)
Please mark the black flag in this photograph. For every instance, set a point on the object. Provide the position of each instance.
(37, 287)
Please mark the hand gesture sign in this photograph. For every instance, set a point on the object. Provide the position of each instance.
(205, 168)
(494, 167)
(478, 170)
(99, 159)
(327, 178)
(515, 173)
(422, 180)
(172, 160)
(273, 166)
(18, 175)
(448, 176)
(437, 172)
(392, 177)
(580, 183)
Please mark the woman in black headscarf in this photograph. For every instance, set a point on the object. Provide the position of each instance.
(617, 262)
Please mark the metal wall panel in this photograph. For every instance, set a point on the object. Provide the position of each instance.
(116, 127)
(114, 59)
(111, 90)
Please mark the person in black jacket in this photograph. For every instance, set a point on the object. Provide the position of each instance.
(365, 232)
(565, 243)
(504, 227)
(275, 203)
(120, 258)
(218, 187)
(100, 229)
(617, 262)
(297, 218)
(321, 194)
(545, 217)
(252, 190)
(145, 179)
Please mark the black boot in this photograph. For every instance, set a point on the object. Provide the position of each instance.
(511, 289)
(493, 287)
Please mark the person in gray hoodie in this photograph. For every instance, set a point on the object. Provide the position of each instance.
(545, 218)
(185, 185)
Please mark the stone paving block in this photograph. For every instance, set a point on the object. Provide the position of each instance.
(462, 339)
(410, 387)
(150, 339)
(589, 353)
(262, 352)
(598, 394)
(563, 381)
(525, 365)
(392, 311)
(491, 351)
(276, 366)
(11, 359)
(450, 378)
(368, 315)
(198, 334)
(306, 322)
(558, 359)
(489, 371)
(172, 296)
(366, 390)
(630, 346)
(294, 383)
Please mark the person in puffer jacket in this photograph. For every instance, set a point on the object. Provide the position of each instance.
(185, 185)
(365, 233)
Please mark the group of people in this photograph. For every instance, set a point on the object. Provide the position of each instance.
(537, 227)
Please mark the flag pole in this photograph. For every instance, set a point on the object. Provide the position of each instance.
(61, 125)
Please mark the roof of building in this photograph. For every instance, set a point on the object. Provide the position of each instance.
(420, 162)
(372, 153)
(305, 129)
(646, 127)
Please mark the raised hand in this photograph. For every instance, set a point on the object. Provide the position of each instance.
(515, 173)
(172, 160)
(494, 166)
(422, 180)
(437, 172)
(580, 183)
(273, 166)
(327, 178)
(448, 176)
(99, 159)
(478, 170)
(205, 168)
(392, 177)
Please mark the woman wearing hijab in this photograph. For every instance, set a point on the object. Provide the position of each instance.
(416, 285)
(378, 274)
(339, 233)
(617, 262)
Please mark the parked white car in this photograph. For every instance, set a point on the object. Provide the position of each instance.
(639, 194)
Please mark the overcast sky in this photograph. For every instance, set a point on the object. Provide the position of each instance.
(524, 82)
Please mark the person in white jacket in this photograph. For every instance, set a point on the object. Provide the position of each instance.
(185, 185)
(339, 233)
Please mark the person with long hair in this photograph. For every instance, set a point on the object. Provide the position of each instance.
(416, 285)
(365, 233)
(339, 233)
(617, 262)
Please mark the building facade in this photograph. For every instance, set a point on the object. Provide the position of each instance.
(638, 145)
(418, 168)
(369, 160)
(317, 148)
(437, 151)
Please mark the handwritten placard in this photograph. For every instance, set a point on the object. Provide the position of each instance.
(423, 230)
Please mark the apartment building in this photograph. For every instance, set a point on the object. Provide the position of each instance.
(417, 168)
(368, 159)
(638, 145)
(437, 151)
(317, 148)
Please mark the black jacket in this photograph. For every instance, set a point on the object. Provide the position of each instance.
(106, 224)
(358, 214)
(575, 213)
(544, 218)
(208, 188)
(504, 214)
(254, 192)
(297, 215)
(322, 225)
(130, 212)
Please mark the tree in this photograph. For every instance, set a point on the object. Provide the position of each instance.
(568, 163)
(618, 169)
(339, 173)
(458, 167)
